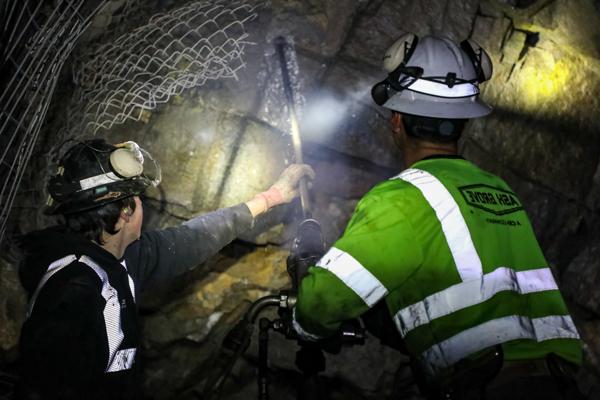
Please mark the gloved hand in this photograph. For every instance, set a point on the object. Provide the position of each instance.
(284, 190)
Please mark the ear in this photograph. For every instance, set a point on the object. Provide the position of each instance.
(398, 132)
(396, 120)
(125, 214)
(397, 125)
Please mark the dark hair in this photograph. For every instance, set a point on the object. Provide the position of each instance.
(441, 130)
(92, 223)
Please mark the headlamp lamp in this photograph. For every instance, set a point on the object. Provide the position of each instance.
(411, 78)
(93, 173)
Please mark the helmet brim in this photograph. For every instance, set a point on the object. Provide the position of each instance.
(410, 102)
(90, 199)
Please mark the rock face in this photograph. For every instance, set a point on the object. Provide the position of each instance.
(184, 329)
(222, 142)
(12, 312)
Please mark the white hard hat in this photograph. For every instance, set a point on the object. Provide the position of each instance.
(434, 77)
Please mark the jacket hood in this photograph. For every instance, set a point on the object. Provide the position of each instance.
(41, 248)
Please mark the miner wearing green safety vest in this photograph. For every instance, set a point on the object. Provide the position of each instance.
(446, 248)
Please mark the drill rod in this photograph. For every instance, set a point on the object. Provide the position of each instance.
(280, 46)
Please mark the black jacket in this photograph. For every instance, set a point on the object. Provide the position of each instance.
(77, 320)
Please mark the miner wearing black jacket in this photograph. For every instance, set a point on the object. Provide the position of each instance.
(80, 339)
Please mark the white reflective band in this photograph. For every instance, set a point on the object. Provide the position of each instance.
(98, 180)
(453, 224)
(442, 90)
(52, 269)
(555, 327)
(501, 330)
(466, 294)
(354, 275)
(112, 311)
(300, 331)
(117, 360)
(122, 360)
(131, 283)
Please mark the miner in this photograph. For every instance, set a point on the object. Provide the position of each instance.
(84, 276)
(470, 298)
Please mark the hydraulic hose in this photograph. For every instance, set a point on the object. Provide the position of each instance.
(258, 305)
(235, 344)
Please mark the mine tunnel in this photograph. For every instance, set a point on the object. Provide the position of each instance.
(216, 91)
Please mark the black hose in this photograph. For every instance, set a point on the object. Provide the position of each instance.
(258, 305)
(263, 359)
(234, 345)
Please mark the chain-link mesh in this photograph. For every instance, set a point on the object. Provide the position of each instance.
(118, 81)
(175, 51)
(36, 39)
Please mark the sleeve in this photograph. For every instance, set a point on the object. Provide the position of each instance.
(161, 255)
(375, 256)
(61, 345)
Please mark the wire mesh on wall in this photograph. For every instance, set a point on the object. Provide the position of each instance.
(116, 82)
(124, 79)
(36, 39)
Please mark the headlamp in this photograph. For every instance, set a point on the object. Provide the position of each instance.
(93, 173)
(411, 78)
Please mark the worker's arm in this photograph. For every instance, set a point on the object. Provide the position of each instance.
(375, 256)
(162, 254)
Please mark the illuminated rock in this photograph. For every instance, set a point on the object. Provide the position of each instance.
(203, 313)
(224, 141)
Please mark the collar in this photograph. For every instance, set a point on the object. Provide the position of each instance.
(436, 156)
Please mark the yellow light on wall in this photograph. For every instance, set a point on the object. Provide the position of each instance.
(545, 80)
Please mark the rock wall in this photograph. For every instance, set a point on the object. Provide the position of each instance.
(226, 140)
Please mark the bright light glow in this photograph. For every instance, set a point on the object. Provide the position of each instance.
(204, 136)
(322, 117)
(546, 81)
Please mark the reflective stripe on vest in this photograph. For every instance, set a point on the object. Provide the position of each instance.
(473, 292)
(453, 224)
(122, 360)
(300, 331)
(354, 275)
(112, 312)
(476, 288)
(496, 331)
(118, 360)
(131, 283)
(52, 269)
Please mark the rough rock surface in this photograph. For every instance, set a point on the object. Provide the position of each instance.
(12, 312)
(227, 140)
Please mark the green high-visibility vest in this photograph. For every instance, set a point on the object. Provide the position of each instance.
(451, 250)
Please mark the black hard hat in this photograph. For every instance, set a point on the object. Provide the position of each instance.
(93, 173)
